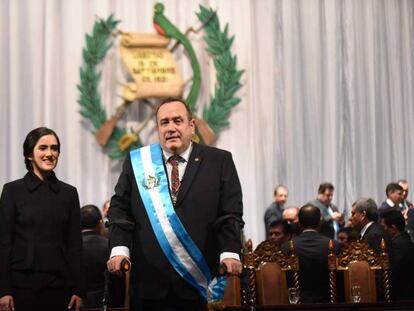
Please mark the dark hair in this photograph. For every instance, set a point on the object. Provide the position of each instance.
(170, 100)
(90, 216)
(346, 230)
(368, 207)
(309, 216)
(282, 223)
(277, 189)
(395, 218)
(31, 140)
(392, 187)
(325, 186)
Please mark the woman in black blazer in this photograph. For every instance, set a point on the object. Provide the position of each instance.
(40, 236)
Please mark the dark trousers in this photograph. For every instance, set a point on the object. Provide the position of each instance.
(46, 299)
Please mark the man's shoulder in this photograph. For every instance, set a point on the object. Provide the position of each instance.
(273, 209)
(210, 150)
(312, 239)
(384, 205)
(375, 229)
(93, 238)
(403, 240)
(317, 203)
(312, 235)
(272, 206)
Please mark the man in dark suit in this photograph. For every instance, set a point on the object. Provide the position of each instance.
(395, 197)
(405, 204)
(364, 220)
(204, 194)
(401, 253)
(95, 254)
(332, 219)
(312, 248)
(275, 211)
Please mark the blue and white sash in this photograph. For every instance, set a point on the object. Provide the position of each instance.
(181, 251)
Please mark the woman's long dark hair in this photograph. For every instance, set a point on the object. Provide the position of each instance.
(31, 141)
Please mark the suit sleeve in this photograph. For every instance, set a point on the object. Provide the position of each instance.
(7, 221)
(120, 218)
(269, 217)
(230, 221)
(74, 247)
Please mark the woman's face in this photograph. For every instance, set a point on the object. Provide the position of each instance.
(45, 155)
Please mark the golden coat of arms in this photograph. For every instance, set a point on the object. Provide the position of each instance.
(154, 74)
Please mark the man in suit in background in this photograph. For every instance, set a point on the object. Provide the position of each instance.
(275, 210)
(312, 248)
(405, 205)
(364, 217)
(291, 216)
(161, 187)
(333, 220)
(95, 254)
(395, 197)
(279, 232)
(401, 252)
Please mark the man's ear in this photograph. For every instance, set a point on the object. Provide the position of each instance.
(193, 125)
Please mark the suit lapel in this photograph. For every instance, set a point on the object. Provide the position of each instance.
(190, 172)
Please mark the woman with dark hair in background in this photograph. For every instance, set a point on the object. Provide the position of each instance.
(40, 236)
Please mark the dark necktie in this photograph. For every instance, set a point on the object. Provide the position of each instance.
(175, 176)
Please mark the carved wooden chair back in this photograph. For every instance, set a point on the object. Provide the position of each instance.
(268, 267)
(359, 264)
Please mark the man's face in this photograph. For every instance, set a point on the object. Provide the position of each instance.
(277, 235)
(281, 196)
(385, 227)
(396, 196)
(326, 197)
(343, 238)
(291, 215)
(358, 219)
(405, 190)
(174, 127)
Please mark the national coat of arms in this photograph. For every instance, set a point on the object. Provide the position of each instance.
(153, 75)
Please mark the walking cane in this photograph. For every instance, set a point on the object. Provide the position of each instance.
(125, 266)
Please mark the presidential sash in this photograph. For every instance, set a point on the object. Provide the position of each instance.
(177, 245)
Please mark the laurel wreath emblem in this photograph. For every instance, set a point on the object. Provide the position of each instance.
(215, 114)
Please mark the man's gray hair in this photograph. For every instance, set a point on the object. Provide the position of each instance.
(368, 207)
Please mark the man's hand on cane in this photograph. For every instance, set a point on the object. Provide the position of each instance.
(7, 303)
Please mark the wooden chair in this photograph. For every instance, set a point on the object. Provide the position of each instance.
(359, 264)
(272, 266)
(264, 281)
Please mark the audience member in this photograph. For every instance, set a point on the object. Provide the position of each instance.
(364, 220)
(105, 208)
(290, 215)
(95, 255)
(275, 210)
(312, 248)
(410, 224)
(401, 252)
(394, 194)
(347, 235)
(405, 205)
(332, 219)
(279, 232)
